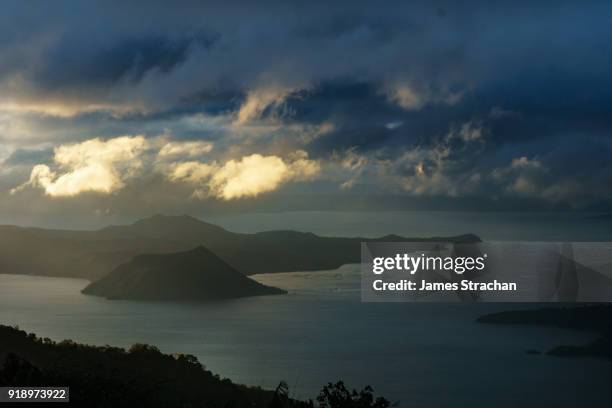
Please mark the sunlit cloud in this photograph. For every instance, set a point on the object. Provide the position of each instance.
(410, 103)
(91, 166)
(354, 164)
(258, 100)
(105, 166)
(411, 98)
(406, 97)
(66, 109)
(192, 172)
(249, 176)
(185, 149)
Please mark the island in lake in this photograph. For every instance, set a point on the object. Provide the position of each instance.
(592, 318)
(195, 275)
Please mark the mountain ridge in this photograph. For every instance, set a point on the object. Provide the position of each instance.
(93, 254)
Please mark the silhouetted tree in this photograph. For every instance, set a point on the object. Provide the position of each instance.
(140, 348)
(104, 377)
(338, 396)
(281, 396)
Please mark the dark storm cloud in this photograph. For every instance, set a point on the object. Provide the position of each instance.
(80, 62)
(526, 54)
(503, 98)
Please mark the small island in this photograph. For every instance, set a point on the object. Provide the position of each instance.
(195, 275)
(592, 318)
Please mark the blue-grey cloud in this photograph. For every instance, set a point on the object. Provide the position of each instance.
(479, 99)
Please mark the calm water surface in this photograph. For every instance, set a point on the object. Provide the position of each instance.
(420, 354)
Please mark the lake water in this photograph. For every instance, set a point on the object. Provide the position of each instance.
(420, 354)
(424, 355)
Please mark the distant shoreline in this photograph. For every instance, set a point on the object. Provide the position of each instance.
(591, 318)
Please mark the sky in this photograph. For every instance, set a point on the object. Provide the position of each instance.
(114, 108)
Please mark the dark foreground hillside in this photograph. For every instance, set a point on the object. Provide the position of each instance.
(144, 377)
(113, 377)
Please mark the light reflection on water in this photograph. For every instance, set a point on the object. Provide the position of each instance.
(421, 354)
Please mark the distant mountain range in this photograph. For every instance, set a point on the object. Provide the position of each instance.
(193, 275)
(94, 254)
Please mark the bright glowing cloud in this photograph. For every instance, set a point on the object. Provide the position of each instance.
(91, 166)
(104, 166)
(185, 149)
(248, 177)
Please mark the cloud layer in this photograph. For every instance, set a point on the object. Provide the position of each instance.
(248, 177)
(106, 166)
(90, 166)
(236, 102)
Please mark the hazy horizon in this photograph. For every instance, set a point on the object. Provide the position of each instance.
(489, 225)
